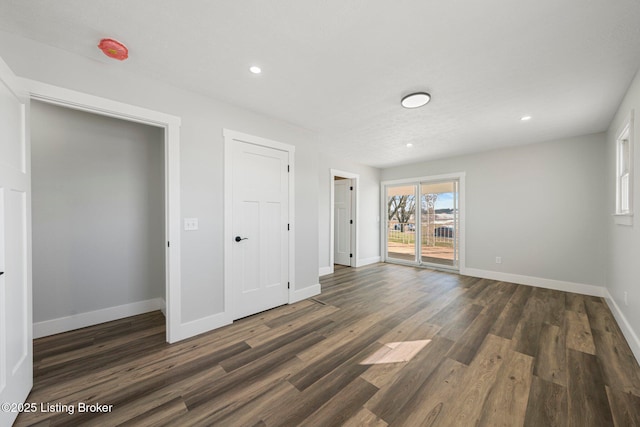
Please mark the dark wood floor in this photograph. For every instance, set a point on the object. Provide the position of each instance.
(488, 353)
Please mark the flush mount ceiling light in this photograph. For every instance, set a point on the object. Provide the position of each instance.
(525, 118)
(114, 49)
(415, 100)
(409, 145)
(255, 70)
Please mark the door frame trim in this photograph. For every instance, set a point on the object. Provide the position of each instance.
(355, 200)
(229, 137)
(68, 98)
(460, 176)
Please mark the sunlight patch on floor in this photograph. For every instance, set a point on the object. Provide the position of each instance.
(396, 352)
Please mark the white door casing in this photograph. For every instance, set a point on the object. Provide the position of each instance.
(16, 350)
(355, 183)
(258, 223)
(176, 329)
(342, 221)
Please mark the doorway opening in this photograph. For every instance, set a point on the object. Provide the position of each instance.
(424, 220)
(169, 125)
(98, 218)
(344, 219)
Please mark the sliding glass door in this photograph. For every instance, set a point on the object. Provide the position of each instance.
(401, 222)
(439, 223)
(422, 223)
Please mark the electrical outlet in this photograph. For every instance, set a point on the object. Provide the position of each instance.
(626, 299)
(498, 260)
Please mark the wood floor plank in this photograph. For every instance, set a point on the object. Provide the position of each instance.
(243, 407)
(551, 360)
(496, 296)
(341, 407)
(388, 402)
(250, 371)
(301, 318)
(172, 409)
(588, 404)
(527, 334)
(578, 332)
(414, 328)
(365, 417)
(479, 378)
(510, 316)
(460, 321)
(252, 412)
(88, 351)
(467, 346)
(556, 303)
(432, 402)
(575, 303)
(547, 405)
(625, 408)
(347, 332)
(383, 374)
(320, 392)
(600, 317)
(506, 404)
(619, 368)
(355, 355)
(271, 346)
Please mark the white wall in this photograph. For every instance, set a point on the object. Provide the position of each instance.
(201, 159)
(98, 212)
(540, 207)
(369, 209)
(623, 260)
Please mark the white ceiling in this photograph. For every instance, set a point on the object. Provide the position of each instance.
(340, 67)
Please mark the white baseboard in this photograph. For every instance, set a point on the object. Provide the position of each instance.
(325, 270)
(367, 261)
(625, 326)
(359, 263)
(196, 327)
(304, 293)
(559, 285)
(81, 320)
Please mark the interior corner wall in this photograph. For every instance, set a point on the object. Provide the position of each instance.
(539, 207)
(368, 215)
(201, 160)
(98, 212)
(623, 268)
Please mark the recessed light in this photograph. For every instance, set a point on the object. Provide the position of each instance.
(409, 145)
(525, 118)
(415, 100)
(255, 70)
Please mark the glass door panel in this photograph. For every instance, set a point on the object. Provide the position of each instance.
(401, 222)
(439, 223)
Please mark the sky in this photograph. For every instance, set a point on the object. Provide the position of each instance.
(444, 201)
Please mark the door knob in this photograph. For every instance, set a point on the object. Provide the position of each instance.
(238, 238)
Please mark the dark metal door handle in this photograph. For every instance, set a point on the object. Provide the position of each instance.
(1, 273)
(238, 238)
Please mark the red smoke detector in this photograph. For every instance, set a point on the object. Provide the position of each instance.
(114, 49)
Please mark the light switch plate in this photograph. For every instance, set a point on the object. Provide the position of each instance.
(190, 224)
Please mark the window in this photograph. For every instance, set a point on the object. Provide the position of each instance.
(624, 173)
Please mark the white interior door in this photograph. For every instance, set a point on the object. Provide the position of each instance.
(260, 217)
(16, 360)
(342, 221)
